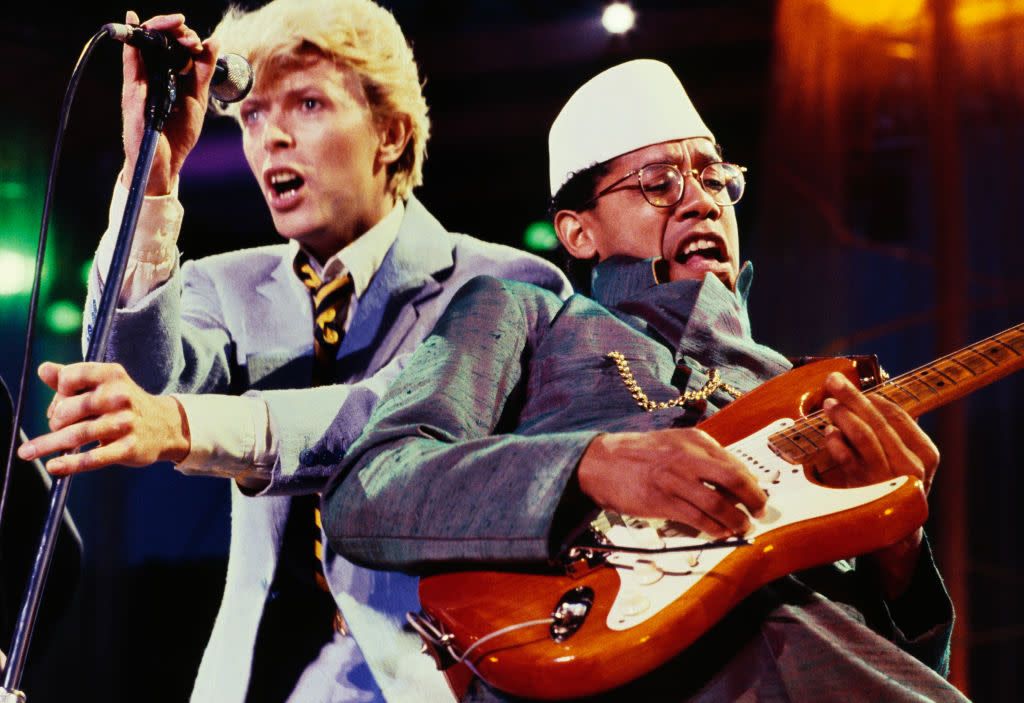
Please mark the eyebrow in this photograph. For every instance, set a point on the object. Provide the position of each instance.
(707, 154)
(704, 156)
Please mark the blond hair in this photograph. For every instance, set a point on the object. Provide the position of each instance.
(357, 34)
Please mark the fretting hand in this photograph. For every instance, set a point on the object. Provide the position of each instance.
(872, 440)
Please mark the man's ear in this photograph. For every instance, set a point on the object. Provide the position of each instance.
(574, 235)
(394, 136)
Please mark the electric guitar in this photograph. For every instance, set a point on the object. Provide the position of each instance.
(645, 590)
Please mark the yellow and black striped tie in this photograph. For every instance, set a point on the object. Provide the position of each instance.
(330, 302)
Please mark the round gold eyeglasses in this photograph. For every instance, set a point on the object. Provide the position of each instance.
(663, 184)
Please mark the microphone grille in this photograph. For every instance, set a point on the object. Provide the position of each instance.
(232, 79)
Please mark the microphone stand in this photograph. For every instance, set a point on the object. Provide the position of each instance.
(162, 91)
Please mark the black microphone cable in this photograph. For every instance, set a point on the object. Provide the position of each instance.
(26, 359)
(232, 80)
(33, 592)
(237, 73)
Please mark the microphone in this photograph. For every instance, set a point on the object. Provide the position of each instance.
(232, 76)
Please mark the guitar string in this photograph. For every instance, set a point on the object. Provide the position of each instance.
(812, 421)
(718, 544)
(895, 383)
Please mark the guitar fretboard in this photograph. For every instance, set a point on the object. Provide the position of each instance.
(918, 391)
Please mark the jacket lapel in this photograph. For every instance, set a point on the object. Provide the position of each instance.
(409, 275)
(286, 299)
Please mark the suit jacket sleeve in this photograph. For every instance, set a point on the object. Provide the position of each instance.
(173, 340)
(439, 475)
(182, 337)
(176, 340)
(315, 427)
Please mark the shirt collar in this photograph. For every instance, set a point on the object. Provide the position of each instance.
(362, 257)
(618, 278)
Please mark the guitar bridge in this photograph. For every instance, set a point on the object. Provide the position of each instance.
(580, 559)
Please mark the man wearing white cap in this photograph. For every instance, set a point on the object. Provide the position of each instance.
(537, 412)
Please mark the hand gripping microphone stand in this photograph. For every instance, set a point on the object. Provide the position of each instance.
(162, 81)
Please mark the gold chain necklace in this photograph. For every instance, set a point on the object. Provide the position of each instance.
(714, 382)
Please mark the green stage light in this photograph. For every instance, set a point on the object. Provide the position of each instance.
(63, 317)
(84, 271)
(540, 236)
(13, 190)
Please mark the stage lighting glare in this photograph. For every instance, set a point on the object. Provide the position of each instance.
(63, 317)
(618, 18)
(84, 272)
(13, 190)
(15, 273)
(540, 236)
(879, 13)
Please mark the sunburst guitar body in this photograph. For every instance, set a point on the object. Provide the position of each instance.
(645, 590)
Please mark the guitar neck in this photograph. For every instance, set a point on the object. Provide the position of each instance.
(957, 374)
(918, 391)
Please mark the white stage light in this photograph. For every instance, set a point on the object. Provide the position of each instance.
(618, 18)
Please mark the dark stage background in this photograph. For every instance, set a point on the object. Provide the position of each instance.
(884, 143)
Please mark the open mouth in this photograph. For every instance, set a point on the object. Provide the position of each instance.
(285, 183)
(709, 248)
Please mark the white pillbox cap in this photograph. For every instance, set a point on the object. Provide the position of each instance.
(627, 107)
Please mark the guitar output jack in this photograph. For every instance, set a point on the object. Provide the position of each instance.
(572, 609)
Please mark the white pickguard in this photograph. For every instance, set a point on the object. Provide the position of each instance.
(650, 582)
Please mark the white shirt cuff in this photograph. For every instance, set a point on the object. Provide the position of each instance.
(154, 252)
(230, 437)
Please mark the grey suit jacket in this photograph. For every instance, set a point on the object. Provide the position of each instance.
(240, 322)
(498, 406)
